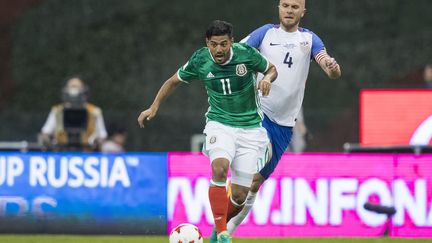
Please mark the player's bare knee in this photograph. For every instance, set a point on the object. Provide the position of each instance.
(220, 169)
(255, 187)
(219, 173)
(258, 180)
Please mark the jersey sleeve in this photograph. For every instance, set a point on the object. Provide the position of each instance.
(259, 62)
(189, 71)
(317, 45)
(255, 38)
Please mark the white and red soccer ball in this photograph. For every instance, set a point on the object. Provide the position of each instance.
(186, 233)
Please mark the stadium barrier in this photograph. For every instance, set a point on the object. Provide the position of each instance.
(317, 195)
(309, 195)
(83, 193)
(359, 148)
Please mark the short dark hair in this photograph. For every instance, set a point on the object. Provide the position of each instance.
(218, 28)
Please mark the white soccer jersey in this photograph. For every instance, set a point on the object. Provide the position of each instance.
(291, 53)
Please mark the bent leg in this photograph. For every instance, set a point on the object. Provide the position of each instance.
(236, 200)
(217, 193)
(219, 147)
(234, 222)
(280, 137)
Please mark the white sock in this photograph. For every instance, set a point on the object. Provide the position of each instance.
(236, 221)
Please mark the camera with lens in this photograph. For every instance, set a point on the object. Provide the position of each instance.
(75, 117)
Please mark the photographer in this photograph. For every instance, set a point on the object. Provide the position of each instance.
(75, 124)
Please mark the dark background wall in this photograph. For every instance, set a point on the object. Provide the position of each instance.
(126, 49)
(10, 12)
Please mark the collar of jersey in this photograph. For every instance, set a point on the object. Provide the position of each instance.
(225, 63)
(286, 33)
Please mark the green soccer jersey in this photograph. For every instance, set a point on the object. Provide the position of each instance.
(231, 87)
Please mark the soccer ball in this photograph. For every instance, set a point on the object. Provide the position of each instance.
(186, 233)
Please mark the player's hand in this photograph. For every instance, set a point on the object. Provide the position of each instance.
(264, 86)
(331, 64)
(146, 115)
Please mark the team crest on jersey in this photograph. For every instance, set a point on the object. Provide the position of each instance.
(304, 46)
(212, 140)
(304, 43)
(241, 70)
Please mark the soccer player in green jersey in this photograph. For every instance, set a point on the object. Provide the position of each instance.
(235, 137)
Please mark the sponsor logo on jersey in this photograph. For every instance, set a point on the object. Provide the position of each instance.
(241, 70)
(212, 140)
(210, 75)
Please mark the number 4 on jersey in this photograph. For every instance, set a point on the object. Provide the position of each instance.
(288, 60)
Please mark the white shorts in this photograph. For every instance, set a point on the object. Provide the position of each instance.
(244, 148)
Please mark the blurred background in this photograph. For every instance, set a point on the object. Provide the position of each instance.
(124, 50)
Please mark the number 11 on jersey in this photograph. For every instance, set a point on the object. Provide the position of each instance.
(226, 87)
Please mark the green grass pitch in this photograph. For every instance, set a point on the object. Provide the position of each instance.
(143, 239)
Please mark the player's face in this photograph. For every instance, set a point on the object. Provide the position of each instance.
(220, 48)
(290, 13)
(75, 84)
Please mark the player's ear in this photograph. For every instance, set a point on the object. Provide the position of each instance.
(304, 12)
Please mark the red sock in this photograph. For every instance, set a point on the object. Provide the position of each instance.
(219, 206)
(233, 210)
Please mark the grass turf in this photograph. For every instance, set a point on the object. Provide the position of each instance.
(143, 239)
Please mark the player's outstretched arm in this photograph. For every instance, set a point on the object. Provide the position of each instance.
(166, 89)
(269, 76)
(329, 65)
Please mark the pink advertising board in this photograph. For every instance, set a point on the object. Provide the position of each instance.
(316, 195)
